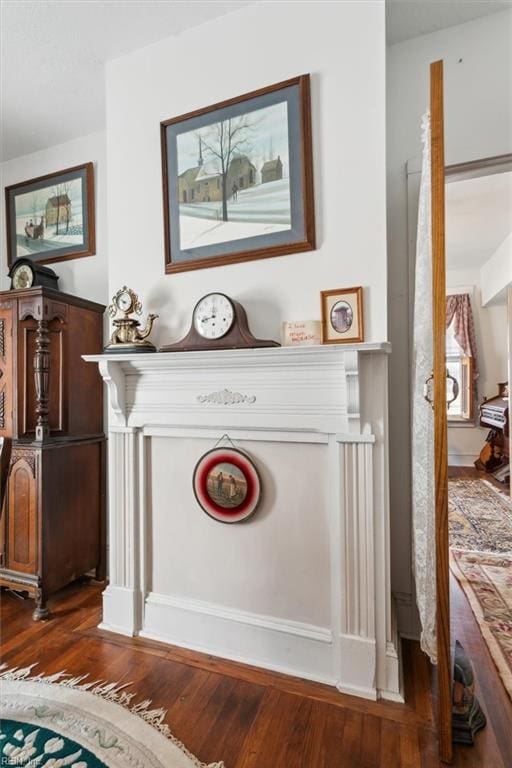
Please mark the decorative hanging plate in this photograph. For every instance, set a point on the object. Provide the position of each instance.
(227, 485)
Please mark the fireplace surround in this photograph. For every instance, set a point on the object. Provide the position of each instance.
(302, 587)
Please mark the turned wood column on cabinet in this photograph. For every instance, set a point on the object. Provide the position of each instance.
(52, 527)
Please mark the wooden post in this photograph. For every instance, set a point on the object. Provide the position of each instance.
(444, 663)
(42, 380)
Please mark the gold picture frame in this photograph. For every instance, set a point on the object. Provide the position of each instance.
(342, 316)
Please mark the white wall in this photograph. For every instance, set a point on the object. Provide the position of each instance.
(86, 277)
(465, 442)
(256, 46)
(478, 123)
(496, 273)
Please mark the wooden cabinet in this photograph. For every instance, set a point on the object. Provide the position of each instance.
(51, 416)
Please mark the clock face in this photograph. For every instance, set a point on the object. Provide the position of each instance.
(213, 316)
(23, 277)
(124, 301)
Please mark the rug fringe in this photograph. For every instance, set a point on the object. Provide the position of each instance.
(114, 692)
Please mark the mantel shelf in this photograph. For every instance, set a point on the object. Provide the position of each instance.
(320, 352)
(314, 387)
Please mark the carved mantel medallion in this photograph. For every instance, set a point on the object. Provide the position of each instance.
(226, 397)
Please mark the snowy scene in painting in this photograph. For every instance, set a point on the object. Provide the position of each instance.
(233, 178)
(49, 218)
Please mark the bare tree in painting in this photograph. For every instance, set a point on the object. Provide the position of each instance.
(224, 140)
(57, 192)
(37, 204)
(66, 189)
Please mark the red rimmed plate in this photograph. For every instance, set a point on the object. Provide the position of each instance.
(227, 485)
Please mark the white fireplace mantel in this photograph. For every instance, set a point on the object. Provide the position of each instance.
(317, 414)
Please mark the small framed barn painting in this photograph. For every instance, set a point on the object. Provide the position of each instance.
(342, 316)
(238, 179)
(51, 218)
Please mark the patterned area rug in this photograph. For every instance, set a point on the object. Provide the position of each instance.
(61, 722)
(487, 581)
(480, 517)
(481, 559)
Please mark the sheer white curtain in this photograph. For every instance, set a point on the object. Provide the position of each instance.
(422, 416)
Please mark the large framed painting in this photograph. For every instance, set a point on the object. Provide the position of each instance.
(51, 218)
(238, 179)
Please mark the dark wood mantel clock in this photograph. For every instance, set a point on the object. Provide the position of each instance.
(51, 422)
(218, 322)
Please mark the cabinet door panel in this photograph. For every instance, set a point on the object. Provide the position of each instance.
(22, 515)
(27, 393)
(6, 370)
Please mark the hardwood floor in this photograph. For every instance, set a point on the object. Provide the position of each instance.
(472, 473)
(251, 718)
(464, 627)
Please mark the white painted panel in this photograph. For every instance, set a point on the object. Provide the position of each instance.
(496, 274)
(276, 563)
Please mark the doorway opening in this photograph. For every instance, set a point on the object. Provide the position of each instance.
(478, 250)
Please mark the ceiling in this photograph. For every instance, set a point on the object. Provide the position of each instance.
(478, 219)
(53, 55)
(406, 19)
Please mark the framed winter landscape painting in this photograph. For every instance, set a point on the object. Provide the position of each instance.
(238, 179)
(51, 218)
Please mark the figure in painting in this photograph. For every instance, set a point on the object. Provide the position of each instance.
(34, 231)
(220, 483)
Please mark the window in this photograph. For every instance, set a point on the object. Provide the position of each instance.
(461, 368)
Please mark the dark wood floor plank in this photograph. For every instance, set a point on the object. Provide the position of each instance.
(332, 747)
(255, 740)
(370, 746)
(315, 737)
(234, 718)
(409, 747)
(297, 736)
(352, 739)
(390, 745)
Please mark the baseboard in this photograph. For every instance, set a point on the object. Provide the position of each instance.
(358, 668)
(290, 647)
(120, 612)
(407, 617)
(393, 688)
(461, 460)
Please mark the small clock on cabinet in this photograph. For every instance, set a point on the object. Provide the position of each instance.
(25, 273)
(218, 322)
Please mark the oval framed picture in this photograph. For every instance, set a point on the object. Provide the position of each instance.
(342, 316)
(227, 485)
